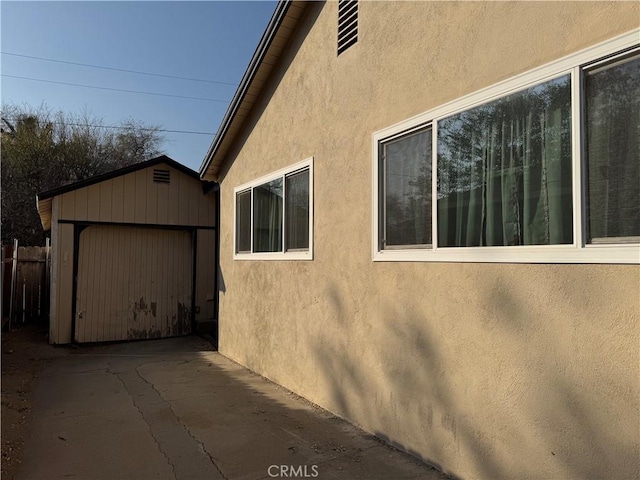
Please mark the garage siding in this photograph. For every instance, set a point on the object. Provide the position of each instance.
(136, 198)
(123, 254)
(133, 283)
(62, 284)
(206, 272)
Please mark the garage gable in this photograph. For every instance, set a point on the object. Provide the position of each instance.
(157, 192)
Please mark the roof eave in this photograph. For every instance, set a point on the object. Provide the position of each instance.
(254, 65)
(116, 173)
(45, 210)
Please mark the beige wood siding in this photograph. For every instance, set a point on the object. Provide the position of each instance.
(63, 274)
(133, 283)
(136, 198)
(129, 199)
(205, 275)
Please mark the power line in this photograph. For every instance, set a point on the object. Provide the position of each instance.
(114, 89)
(135, 128)
(119, 69)
(124, 128)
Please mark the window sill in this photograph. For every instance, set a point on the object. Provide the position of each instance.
(299, 255)
(612, 254)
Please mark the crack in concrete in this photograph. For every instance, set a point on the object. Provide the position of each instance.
(93, 370)
(211, 458)
(173, 469)
(201, 446)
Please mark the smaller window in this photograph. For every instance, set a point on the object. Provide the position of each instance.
(273, 215)
(347, 24)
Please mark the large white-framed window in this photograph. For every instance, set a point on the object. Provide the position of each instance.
(273, 215)
(541, 168)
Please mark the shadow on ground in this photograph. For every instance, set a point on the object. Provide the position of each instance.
(175, 409)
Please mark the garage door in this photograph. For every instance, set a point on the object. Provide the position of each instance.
(133, 283)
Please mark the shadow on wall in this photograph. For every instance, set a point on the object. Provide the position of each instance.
(480, 392)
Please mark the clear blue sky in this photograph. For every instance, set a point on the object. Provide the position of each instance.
(204, 40)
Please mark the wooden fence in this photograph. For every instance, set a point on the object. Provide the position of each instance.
(25, 284)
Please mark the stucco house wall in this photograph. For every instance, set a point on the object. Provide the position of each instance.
(487, 370)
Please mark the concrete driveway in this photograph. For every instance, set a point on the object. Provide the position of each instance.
(174, 409)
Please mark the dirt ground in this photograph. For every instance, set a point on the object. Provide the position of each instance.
(25, 351)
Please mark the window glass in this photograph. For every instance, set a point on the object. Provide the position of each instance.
(612, 95)
(406, 187)
(504, 171)
(267, 217)
(275, 216)
(297, 210)
(243, 221)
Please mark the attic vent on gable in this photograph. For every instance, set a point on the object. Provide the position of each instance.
(347, 24)
(161, 176)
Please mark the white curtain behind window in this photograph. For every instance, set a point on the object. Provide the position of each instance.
(267, 217)
(504, 171)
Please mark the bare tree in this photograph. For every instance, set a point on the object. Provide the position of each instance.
(42, 150)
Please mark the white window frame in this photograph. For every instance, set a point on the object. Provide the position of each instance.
(286, 255)
(577, 252)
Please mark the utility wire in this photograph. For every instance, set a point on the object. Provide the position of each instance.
(114, 89)
(119, 69)
(125, 128)
(135, 128)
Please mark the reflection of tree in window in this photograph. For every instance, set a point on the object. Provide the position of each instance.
(243, 221)
(504, 170)
(407, 189)
(613, 152)
(274, 215)
(267, 217)
(297, 210)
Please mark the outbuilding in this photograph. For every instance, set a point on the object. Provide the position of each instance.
(133, 254)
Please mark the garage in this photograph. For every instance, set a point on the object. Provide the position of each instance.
(133, 283)
(133, 254)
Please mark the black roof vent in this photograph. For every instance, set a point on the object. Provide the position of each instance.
(347, 24)
(161, 176)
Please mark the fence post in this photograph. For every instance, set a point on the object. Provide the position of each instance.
(14, 280)
(24, 301)
(47, 285)
(2, 286)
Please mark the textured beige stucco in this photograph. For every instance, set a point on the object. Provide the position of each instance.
(486, 370)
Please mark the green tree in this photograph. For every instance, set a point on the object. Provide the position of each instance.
(42, 150)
